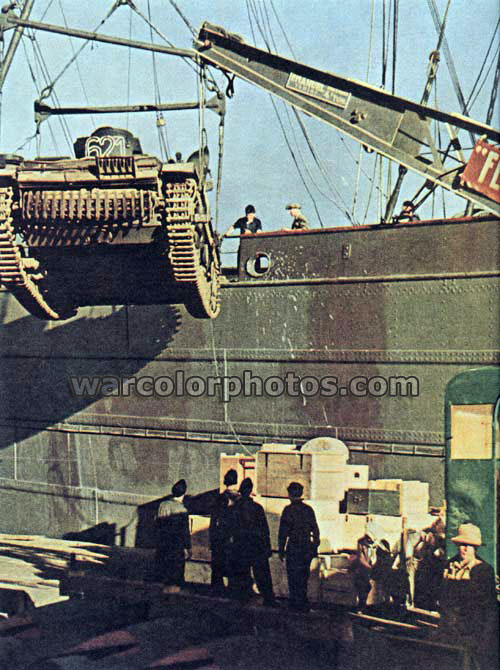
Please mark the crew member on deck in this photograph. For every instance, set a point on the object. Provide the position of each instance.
(408, 212)
(173, 544)
(246, 224)
(299, 220)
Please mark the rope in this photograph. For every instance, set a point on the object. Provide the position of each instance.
(39, 59)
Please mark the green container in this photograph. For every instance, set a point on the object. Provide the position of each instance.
(370, 501)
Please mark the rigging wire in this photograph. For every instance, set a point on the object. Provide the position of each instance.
(160, 121)
(494, 93)
(185, 59)
(40, 60)
(367, 76)
(35, 135)
(48, 89)
(129, 68)
(317, 160)
(496, 55)
(483, 64)
(450, 63)
(395, 44)
(265, 18)
(76, 63)
(183, 17)
(280, 122)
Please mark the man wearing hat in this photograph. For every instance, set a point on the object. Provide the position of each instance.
(173, 543)
(251, 547)
(298, 540)
(299, 220)
(220, 531)
(468, 599)
(408, 212)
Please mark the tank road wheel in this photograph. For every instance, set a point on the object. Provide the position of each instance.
(206, 301)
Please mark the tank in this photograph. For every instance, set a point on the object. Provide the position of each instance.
(111, 226)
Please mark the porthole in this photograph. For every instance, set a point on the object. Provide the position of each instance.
(259, 265)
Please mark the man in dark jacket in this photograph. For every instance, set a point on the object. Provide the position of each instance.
(298, 539)
(173, 543)
(220, 531)
(468, 603)
(251, 547)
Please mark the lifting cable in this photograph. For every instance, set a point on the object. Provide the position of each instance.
(160, 121)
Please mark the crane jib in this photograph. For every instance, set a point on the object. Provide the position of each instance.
(390, 125)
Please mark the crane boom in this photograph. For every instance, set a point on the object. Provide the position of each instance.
(391, 125)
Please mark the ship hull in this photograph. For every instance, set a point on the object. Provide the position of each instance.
(415, 301)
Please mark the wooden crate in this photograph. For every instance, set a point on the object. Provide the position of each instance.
(373, 501)
(242, 463)
(321, 474)
(414, 495)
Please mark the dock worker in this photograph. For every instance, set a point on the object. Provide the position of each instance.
(246, 224)
(251, 547)
(220, 532)
(408, 212)
(173, 543)
(468, 601)
(298, 540)
(299, 220)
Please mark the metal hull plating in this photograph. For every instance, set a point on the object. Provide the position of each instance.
(411, 300)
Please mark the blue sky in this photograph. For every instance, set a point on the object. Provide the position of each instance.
(332, 35)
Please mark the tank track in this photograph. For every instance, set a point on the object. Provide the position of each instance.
(192, 250)
(13, 266)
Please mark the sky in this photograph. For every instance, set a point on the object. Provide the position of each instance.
(341, 36)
